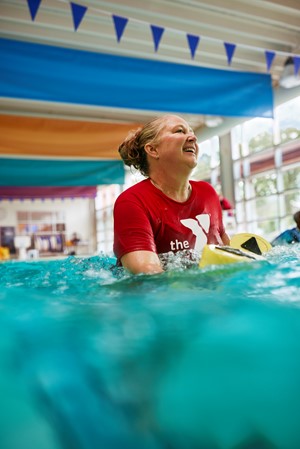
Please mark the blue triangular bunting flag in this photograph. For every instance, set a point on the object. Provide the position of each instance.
(193, 42)
(157, 33)
(33, 6)
(230, 49)
(296, 64)
(270, 55)
(120, 24)
(78, 11)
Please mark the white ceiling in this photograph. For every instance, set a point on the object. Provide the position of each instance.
(253, 26)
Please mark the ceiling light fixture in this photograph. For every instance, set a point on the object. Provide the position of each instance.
(288, 78)
(212, 121)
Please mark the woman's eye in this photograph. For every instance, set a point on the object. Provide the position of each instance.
(180, 131)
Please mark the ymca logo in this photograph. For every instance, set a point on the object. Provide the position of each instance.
(200, 228)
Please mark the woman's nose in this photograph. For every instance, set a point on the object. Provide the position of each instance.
(192, 137)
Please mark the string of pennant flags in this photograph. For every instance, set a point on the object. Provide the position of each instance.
(78, 12)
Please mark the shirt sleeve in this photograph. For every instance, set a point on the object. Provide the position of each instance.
(132, 228)
(226, 205)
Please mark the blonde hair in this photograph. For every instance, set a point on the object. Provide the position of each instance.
(132, 150)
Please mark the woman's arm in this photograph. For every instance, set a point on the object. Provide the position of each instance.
(145, 262)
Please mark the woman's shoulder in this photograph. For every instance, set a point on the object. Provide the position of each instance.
(135, 191)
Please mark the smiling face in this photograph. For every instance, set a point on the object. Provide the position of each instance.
(176, 143)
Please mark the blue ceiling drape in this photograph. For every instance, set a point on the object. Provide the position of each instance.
(47, 73)
(55, 74)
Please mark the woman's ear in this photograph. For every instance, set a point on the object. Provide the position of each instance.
(151, 151)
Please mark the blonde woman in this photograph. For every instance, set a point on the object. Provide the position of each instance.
(167, 212)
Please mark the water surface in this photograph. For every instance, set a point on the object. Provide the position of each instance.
(91, 357)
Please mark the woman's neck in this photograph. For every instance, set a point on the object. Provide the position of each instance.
(177, 191)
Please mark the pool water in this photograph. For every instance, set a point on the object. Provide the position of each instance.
(91, 357)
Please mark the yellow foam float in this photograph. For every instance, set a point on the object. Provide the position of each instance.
(244, 247)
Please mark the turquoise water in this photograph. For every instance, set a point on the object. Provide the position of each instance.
(93, 358)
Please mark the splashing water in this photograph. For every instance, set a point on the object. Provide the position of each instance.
(91, 357)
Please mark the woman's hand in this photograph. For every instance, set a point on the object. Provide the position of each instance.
(225, 239)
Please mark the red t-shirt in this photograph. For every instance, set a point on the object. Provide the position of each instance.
(146, 219)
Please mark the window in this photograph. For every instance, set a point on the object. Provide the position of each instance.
(266, 173)
(208, 167)
(257, 134)
(288, 116)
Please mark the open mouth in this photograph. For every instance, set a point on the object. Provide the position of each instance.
(189, 150)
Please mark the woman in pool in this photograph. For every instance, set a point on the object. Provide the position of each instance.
(166, 212)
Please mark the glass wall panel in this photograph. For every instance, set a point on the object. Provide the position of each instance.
(286, 223)
(265, 185)
(236, 140)
(240, 215)
(292, 202)
(209, 158)
(267, 189)
(291, 178)
(288, 116)
(258, 134)
(265, 207)
(267, 228)
(239, 190)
